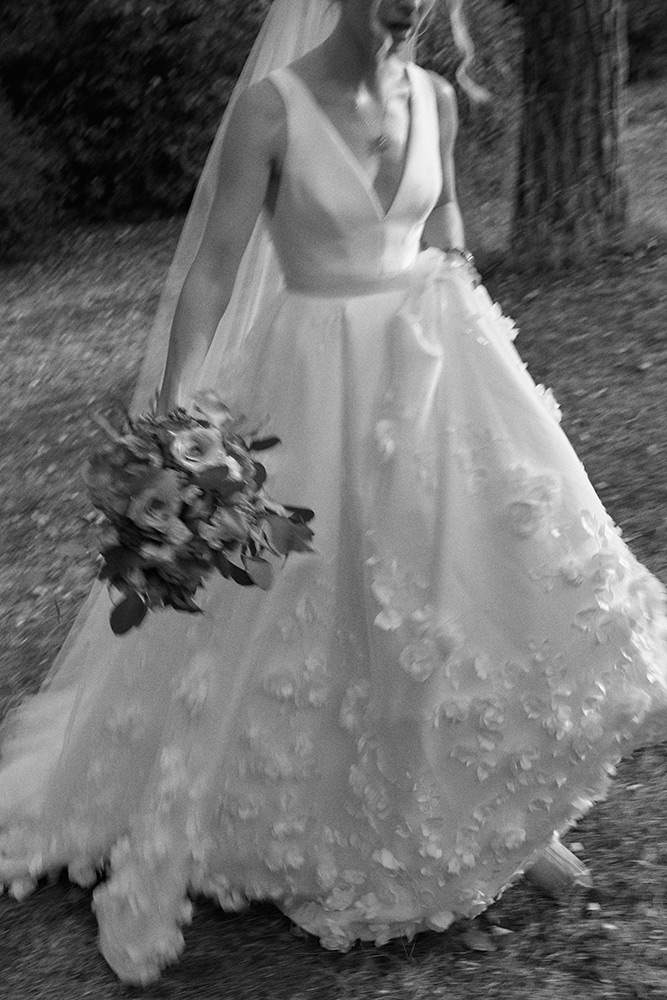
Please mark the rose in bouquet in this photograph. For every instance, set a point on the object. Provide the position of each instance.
(183, 496)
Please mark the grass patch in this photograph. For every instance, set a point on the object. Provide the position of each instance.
(72, 326)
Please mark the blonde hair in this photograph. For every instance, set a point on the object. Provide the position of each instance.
(465, 46)
(462, 41)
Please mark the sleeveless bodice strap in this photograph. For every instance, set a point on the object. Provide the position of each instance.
(329, 228)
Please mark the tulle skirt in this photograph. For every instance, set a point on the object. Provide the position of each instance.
(380, 742)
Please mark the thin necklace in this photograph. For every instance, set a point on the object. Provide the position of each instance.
(379, 139)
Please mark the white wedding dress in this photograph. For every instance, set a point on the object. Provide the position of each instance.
(384, 739)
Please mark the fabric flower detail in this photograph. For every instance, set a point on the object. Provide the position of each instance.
(534, 706)
(525, 760)
(353, 706)
(559, 722)
(533, 499)
(83, 873)
(327, 872)
(453, 710)
(384, 438)
(549, 402)
(432, 842)
(387, 860)
(389, 619)
(604, 625)
(504, 325)
(440, 921)
(418, 660)
(175, 779)
(508, 839)
(478, 757)
(513, 673)
(21, 888)
(465, 855)
(127, 721)
(491, 714)
(572, 571)
(192, 689)
(374, 797)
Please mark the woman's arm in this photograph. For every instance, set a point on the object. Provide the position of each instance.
(444, 226)
(250, 158)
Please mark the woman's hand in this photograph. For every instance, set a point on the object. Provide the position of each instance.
(166, 402)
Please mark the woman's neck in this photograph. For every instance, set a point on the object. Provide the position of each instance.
(363, 62)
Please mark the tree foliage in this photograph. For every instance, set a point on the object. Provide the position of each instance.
(647, 38)
(122, 97)
(488, 127)
(646, 22)
(130, 91)
(28, 195)
(495, 34)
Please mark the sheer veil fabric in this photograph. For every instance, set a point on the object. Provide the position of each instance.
(31, 730)
(291, 28)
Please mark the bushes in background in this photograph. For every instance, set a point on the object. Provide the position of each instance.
(488, 126)
(647, 38)
(646, 32)
(129, 92)
(28, 198)
(495, 33)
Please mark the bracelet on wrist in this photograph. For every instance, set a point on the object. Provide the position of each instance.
(465, 255)
(463, 258)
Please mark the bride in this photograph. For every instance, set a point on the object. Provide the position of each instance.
(381, 742)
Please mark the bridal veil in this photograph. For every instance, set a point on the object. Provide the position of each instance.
(291, 28)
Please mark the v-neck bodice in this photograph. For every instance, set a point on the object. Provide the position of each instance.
(346, 150)
(328, 222)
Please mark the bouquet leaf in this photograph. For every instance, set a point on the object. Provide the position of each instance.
(128, 613)
(239, 575)
(260, 572)
(118, 561)
(260, 475)
(302, 515)
(218, 481)
(182, 601)
(263, 444)
(221, 563)
(289, 536)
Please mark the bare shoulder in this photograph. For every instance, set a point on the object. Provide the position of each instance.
(262, 99)
(259, 113)
(447, 110)
(445, 95)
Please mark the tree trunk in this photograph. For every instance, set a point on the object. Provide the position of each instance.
(570, 195)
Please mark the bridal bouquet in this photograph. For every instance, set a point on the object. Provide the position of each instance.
(182, 496)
